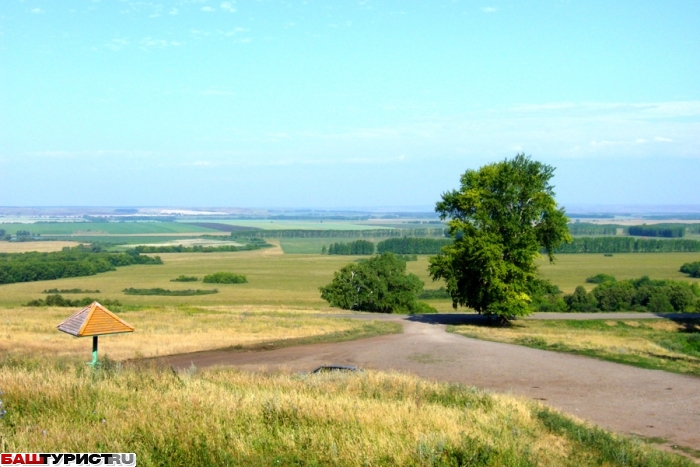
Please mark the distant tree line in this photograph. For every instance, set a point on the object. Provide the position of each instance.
(660, 230)
(628, 245)
(255, 245)
(586, 228)
(413, 246)
(693, 269)
(643, 294)
(370, 233)
(70, 262)
(60, 291)
(20, 235)
(358, 247)
(168, 292)
(58, 300)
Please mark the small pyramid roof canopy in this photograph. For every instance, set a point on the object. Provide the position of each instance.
(94, 320)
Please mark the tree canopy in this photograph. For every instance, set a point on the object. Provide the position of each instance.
(379, 284)
(500, 218)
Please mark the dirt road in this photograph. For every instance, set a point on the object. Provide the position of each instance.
(617, 397)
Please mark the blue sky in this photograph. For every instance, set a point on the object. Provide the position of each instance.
(344, 103)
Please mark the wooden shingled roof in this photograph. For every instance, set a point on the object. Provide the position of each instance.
(94, 320)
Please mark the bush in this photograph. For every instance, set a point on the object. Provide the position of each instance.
(225, 278)
(58, 300)
(182, 278)
(581, 301)
(379, 284)
(171, 293)
(600, 278)
(692, 269)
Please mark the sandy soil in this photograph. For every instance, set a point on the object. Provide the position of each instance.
(617, 397)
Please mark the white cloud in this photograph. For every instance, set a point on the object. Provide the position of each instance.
(37, 11)
(207, 9)
(489, 9)
(174, 11)
(228, 6)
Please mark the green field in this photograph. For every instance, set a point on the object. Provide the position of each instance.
(572, 270)
(293, 279)
(304, 225)
(312, 246)
(113, 228)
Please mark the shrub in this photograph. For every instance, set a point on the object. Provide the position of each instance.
(692, 269)
(182, 278)
(167, 292)
(379, 284)
(600, 278)
(58, 300)
(225, 278)
(581, 301)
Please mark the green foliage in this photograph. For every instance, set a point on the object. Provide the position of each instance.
(58, 300)
(225, 278)
(586, 228)
(59, 291)
(503, 214)
(643, 294)
(183, 278)
(412, 245)
(692, 269)
(658, 230)
(545, 296)
(379, 284)
(600, 278)
(358, 247)
(70, 262)
(255, 244)
(432, 294)
(628, 245)
(169, 293)
(581, 301)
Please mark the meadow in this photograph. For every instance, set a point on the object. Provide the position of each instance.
(222, 416)
(170, 330)
(277, 278)
(227, 417)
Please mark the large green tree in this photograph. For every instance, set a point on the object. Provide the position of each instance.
(500, 218)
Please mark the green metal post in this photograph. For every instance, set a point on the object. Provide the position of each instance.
(94, 351)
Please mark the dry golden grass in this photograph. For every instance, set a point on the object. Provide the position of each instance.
(22, 247)
(226, 417)
(163, 331)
